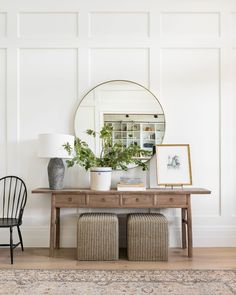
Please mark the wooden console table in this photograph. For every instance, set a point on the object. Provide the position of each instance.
(151, 198)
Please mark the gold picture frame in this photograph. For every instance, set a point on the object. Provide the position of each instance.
(173, 164)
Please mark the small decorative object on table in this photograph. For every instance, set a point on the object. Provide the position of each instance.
(130, 184)
(113, 156)
(100, 178)
(173, 165)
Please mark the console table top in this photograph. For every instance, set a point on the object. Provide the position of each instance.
(156, 191)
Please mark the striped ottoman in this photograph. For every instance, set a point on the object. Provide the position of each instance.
(147, 237)
(97, 237)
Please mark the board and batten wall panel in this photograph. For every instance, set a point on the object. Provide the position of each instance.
(3, 95)
(231, 157)
(119, 25)
(195, 81)
(3, 24)
(48, 88)
(233, 25)
(189, 25)
(52, 53)
(119, 63)
(3, 104)
(48, 25)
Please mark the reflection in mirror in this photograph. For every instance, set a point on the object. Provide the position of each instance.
(145, 130)
(132, 110)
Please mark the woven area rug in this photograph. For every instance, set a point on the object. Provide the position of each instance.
(112, 282)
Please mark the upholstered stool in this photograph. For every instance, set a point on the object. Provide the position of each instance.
(147, 236)
(98, 236)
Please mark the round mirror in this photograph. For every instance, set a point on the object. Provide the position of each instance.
(134, 113)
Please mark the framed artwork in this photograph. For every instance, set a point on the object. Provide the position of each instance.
(173, 164)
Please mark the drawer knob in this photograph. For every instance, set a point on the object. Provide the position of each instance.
(137, 199)
(70, 199)
(171, 199)
(103, 199)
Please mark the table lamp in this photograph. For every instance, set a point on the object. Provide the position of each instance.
(51, 146)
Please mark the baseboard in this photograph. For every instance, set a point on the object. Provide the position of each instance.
(202, 236)
(39, 236)
(206, 236)
(214, 236)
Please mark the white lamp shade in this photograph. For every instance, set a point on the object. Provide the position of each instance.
(51, 145)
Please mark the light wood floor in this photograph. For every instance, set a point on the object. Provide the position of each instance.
(203, 258)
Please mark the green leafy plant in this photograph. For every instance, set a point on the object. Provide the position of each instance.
(114, 155)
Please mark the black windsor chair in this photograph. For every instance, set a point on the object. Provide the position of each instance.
(13, 196)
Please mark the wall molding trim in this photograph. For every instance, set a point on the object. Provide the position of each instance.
(52, 53)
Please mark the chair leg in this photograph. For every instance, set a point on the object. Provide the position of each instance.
(20, 237)
(11, 245)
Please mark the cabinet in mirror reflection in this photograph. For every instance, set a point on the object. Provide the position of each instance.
(145, 130)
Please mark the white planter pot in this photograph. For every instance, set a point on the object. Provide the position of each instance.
(100, 178)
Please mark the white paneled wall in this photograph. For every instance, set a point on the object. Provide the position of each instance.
(53, 52)
(185, 25)
(120, 25)
(3, 96)
(108, 64)
(3, 24)
(36, 25)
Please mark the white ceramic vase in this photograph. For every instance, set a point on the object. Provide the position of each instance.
(100, 178)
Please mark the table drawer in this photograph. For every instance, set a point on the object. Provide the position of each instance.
(172, 201)
(70, 200)
(137, 200)
(104, 201)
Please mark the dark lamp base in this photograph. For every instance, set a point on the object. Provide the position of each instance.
(56, 171)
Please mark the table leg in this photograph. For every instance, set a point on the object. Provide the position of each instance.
(57, 228)
(52, 226)
(189, 224)
(184, 232)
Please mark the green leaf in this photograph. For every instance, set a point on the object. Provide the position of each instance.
(116, 156)
(91, 132)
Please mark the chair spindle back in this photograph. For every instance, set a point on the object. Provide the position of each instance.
(13, 195)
